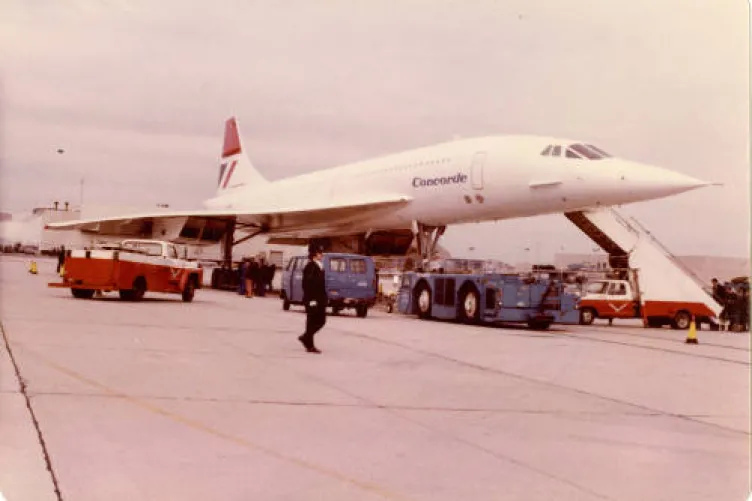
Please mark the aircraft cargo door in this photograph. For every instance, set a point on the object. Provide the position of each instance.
(476, 170)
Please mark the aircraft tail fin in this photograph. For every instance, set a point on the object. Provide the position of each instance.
(236, 169)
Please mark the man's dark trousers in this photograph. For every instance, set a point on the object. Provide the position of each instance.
(315, 320)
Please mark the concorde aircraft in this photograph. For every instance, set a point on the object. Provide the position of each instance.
(383, 205)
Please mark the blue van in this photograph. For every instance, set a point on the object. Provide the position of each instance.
(350, 282)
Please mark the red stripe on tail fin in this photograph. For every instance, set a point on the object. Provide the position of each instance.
(229, 173)
(232, 139)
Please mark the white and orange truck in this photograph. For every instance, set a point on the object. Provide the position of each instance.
(610, 299)
(652, 285)
(132, 268)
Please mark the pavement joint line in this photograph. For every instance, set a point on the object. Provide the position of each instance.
(35, 421)
(541, 382)
(368, 405)
(199, 426)
(191, 327)
(605, 330)
(656, 348)
(466, 442)
(121, 348)
(662, 448)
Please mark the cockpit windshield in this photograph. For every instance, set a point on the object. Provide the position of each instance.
(581, 151)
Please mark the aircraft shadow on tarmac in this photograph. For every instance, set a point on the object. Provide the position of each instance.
(522, 328)
(506, 326)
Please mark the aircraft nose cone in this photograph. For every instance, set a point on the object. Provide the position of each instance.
(656, 182)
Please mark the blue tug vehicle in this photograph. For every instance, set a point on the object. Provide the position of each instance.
(487, 299)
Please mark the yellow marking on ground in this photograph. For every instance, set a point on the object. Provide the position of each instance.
(199, 426)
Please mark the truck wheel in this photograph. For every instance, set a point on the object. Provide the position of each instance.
(587, 315)
(361, 310)
(82, 293)
(189, 290)
(336, 310)
(139, 289)
(285, 304)
(539, 325)
(681, 320)
(423, 301)
(655, 322)
(469, 310)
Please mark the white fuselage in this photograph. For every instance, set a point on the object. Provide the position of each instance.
(472, 180)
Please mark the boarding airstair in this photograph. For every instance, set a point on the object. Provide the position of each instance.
(662, 277)
(618, 257)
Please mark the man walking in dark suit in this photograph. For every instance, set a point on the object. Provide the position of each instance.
(314, 297)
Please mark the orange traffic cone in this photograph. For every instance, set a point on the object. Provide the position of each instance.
(692, 334)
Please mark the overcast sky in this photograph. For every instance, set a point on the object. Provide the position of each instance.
(136, 93)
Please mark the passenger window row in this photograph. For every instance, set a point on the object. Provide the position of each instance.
(422, 163)
(408, 166)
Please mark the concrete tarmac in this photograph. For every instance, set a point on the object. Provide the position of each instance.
(216, 399)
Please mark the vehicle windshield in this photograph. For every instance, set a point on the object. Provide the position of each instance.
(148, 248)
(597, 288)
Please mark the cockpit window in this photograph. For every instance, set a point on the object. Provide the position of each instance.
(575, 151)
(571, 154)
(598, 150)
(588, 151)
(585, 152)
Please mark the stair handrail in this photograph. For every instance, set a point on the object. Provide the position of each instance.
(624, 221)
(686, 269)
(589, 222)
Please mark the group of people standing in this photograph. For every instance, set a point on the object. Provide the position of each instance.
(736, 306)
(255, 277)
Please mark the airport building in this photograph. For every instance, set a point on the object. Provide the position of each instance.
(704, 267)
